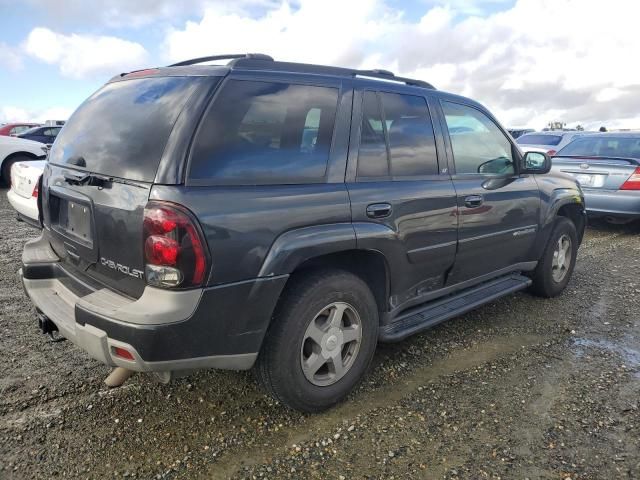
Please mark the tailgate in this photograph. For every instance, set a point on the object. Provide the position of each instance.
(598, 173)
(96, 229)
(102, 166)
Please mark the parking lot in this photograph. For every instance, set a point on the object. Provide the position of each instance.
(520, 388)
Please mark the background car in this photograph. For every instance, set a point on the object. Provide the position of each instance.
(607, 166)
(23, 194)
(548, 142)
(13, 150)
(16, 128)
(518, 132)
(41, 134)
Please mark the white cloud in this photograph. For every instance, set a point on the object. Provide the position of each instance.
(16, 114)
(79, 56)
(537, 61)
(132, 14)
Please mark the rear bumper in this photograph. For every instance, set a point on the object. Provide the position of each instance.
(623, 203)
(27, 208)
(215, 327)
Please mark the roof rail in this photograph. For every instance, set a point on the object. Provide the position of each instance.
(261, 61)
(193, 61)
(387, 75)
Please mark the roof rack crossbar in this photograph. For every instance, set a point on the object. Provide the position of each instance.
(231, 56)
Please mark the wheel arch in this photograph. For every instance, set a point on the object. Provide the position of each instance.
(562, 202)
(20, 154)
(368, 265)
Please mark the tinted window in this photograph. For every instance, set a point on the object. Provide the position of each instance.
(411, 139)
(532, 139)
(372, 155)
(122, 129)
(478, 144)
(605, 146)
(262, 133)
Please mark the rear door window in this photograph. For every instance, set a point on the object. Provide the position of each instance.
(122, 129)
(265, 133)
(373, 160)
(412, 144)
(397, 138)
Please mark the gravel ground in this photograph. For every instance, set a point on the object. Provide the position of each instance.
(520, 388)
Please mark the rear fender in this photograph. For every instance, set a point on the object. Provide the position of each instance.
(296, 246)
(552, 205)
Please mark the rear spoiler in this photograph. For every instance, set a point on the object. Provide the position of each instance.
(631, 161)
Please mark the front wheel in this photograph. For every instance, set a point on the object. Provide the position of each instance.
(321, 342)
(555, 268)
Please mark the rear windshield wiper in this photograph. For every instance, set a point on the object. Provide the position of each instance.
(94, 179)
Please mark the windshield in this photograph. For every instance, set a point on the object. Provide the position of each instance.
(533, 139)
(30, 131)
(122, 129)
(622, 147)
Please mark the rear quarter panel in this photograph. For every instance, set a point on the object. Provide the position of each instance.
(241, 223)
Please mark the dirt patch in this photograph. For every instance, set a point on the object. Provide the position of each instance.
(520, 388)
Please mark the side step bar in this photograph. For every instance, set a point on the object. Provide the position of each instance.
(430, 314)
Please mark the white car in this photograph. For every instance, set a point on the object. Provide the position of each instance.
(23, 194)
(13, 150)
(548, 142)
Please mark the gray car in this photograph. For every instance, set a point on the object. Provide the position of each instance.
(607, 166)
(548, 142)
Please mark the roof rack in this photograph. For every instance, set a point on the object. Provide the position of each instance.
(387, 75)
(259, 61)
(232, 56)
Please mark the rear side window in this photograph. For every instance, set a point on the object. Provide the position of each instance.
(265, 133)
(122, 129)
(396, 137)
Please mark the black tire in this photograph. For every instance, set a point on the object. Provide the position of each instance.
(279, 365)
(6, 168)
(544, 282)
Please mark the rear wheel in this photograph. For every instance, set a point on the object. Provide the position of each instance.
(6, 168)
(555, 268)
(321, 342)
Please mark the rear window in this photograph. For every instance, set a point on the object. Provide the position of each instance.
(539, 139)
(622, 147)
(258, 133)
(122, 129)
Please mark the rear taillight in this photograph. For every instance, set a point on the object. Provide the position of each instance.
(34, 194)
(551, 152)
(174, 249)
(633, 182)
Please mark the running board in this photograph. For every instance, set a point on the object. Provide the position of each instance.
(426, 316)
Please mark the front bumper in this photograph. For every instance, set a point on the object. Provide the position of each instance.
(622, 203)
(214, 327)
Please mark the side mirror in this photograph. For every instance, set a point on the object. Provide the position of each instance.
(536, 163)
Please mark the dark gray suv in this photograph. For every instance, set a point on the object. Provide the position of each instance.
(285, 217)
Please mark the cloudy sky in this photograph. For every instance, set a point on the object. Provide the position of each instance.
(529, 61)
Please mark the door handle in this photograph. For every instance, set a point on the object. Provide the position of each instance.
(473, 201)
(378, 210)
